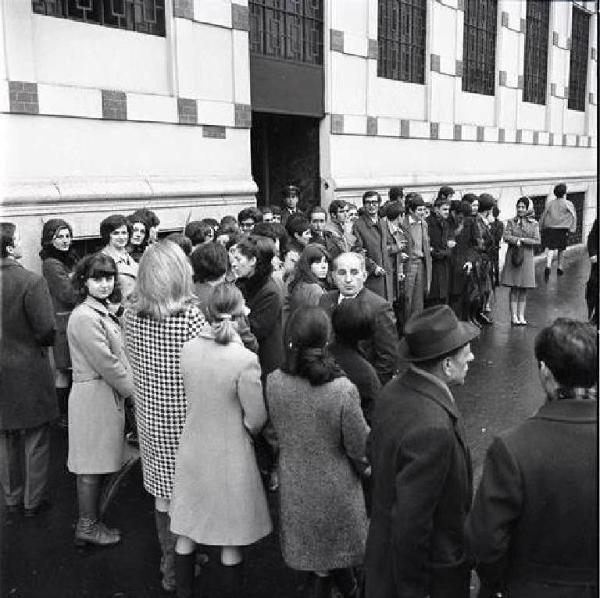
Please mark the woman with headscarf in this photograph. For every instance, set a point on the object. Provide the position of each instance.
(522, 234)
(58, 261)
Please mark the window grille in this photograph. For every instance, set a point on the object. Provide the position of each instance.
(287, 29)
(401, 40)
(579, 56)
(143, 16)
(479, 46)
(536, 51)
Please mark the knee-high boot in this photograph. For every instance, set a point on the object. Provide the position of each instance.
(88, 529)
(167, 541)
(184, 574)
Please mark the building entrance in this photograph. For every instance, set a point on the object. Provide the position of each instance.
(285, 150)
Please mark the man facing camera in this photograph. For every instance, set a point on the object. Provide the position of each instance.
(381, 348)
(421, 476)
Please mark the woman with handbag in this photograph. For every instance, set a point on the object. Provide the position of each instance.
(522, 233)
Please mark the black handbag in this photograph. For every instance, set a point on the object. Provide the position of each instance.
(517, 255)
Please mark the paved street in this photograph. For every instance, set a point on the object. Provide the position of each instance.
(40, 561)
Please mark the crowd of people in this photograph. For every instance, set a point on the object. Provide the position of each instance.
(261, 352)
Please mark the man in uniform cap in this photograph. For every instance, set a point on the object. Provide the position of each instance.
(291, 196)
(421, 476)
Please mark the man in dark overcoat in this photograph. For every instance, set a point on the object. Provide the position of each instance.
(534, 524)
(421, 467)
(372, 240)
(441, 246)
(381, 348)
(27, 396)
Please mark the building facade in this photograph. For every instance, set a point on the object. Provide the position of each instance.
(198, 108)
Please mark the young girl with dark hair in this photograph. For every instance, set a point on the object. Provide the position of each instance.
(322, 433)
(102, 381)
(308, 281)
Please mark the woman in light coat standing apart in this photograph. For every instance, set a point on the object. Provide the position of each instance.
(160, 318)
(218, 495)
(322, 434)
(101, 382)
(521, 231)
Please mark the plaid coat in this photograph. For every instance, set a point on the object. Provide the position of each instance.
(153, 348)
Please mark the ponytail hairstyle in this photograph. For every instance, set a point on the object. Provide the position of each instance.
(225, 303)
(307, 333)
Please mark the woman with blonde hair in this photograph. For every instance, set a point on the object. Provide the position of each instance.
(218, 496)
(161, 317)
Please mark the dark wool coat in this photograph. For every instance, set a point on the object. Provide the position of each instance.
(381, 350)
(264, 301)
(27, 396)
(422, 484)
(373, 240)
(468, 241)
(440, 257)
(58, 276)
(405, 224)
(534, 524)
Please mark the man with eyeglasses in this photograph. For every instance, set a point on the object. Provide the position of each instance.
(372, 240)
(247, 218)
(381, 348)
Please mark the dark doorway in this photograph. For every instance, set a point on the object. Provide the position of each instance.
(285, 150)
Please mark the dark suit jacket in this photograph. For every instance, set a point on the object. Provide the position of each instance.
(534, 524)
(373, 240)
(27, 329)
(381, 351)
(422, 485)
(440, 257)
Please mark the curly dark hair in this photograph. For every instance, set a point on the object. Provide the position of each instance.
(92, 266)
(113, 222)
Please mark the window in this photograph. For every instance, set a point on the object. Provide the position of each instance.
(536, 51)
(401, 40)
(143, 16)
(579, 55)
(288, 29)
(479, 46)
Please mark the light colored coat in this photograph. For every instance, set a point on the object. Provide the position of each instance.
(101, 380)
(218, 496)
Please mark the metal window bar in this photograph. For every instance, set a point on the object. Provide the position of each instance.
(579, 59)
(479, 46)
(143, 16)
(401, 40)
(536, 51)
(287, 29)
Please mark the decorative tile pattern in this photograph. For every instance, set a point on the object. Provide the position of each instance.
(564, 139)
(243, 116)
(461, 5)
(337, 124)
(457, 132)
(459, 68)
(480, 133)
(504, 19)
(550, 138)
(336, 40)
(404, 128)
(213, 131)
(520, 81)
(501, 135)
(555, 38)
(187, 111)
(371, 125)
(502, 78)
(519, 136)
(522, 25)
(114, 105)
(536, 138)
(435, 63)
(23, 97)
(240, 17)
(434, 130)
(373, 49)
(184, 9)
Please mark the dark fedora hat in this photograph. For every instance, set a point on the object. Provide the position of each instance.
(433, 333)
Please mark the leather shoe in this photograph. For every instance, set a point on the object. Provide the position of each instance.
(559, 271)
(485, 319)
(42, 506)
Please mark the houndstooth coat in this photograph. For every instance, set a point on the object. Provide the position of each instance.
(153, 348)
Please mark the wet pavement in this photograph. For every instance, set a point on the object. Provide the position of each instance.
(38, 558)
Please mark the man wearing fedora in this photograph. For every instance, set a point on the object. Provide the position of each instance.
(421, 467)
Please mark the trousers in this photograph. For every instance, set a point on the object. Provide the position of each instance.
(24, 461)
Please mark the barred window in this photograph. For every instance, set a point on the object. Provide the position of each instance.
(401, 40)
(479, 46)
(579, 56)
(143, 16)
(536, 51)
(288, 29)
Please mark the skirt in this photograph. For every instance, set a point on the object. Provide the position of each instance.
(555, 238)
